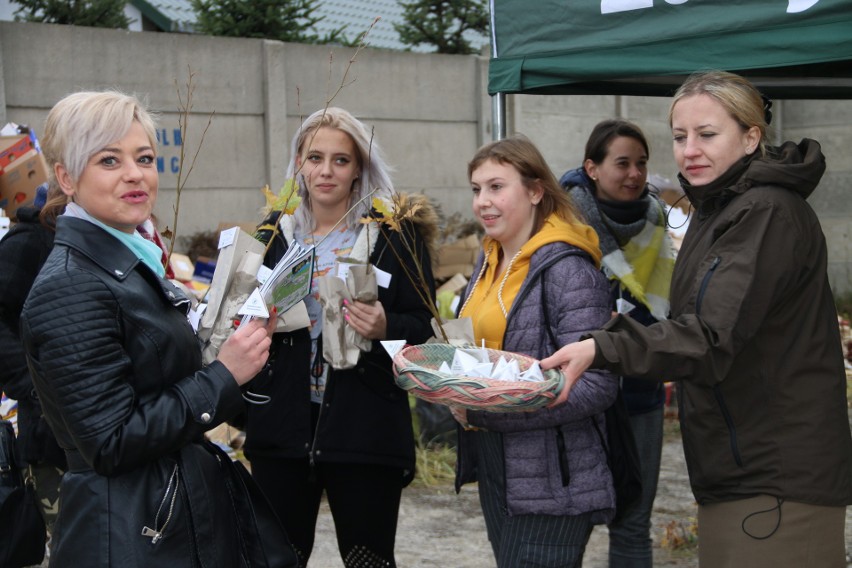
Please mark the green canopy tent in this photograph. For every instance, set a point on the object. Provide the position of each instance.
(788, 48)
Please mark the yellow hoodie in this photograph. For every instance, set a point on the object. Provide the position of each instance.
(483, 303)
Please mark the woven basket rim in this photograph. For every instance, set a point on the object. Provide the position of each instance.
(479, 393)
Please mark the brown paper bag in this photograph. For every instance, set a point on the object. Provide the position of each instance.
(342, 345)
(361, 285)
(332, 292)
(459, 332)
(226, 266)
(243, 283)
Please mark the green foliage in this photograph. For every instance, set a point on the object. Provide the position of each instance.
(283, 20)
(92, 13)
(442, 23)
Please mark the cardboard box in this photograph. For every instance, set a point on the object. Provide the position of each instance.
(182, 267)
(12, 148)
(444, 271)
(204, 269)
(457, 258)
(19, 180)
(247, 226)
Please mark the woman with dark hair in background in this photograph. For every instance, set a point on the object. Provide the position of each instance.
(611, 191)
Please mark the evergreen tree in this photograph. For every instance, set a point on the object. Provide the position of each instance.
(284, 20)
(93, 13)
(442, 23)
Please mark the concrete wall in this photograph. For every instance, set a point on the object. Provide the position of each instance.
(430, 113)
(426, 115)
(830, 123)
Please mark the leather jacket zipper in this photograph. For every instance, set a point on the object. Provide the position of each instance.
(156, 534)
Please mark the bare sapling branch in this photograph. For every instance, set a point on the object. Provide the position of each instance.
(184, 111)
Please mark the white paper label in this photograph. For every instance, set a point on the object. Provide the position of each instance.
(228, 236)
(383, 278)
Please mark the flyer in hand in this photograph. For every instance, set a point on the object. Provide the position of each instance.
(290, 280)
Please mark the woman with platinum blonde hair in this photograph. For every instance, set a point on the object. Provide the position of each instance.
(374, 174)
(343, 432)
(118, 369)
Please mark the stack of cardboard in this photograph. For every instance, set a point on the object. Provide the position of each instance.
(457, 258)
(22, 167)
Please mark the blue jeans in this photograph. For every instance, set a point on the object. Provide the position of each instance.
(630, 544)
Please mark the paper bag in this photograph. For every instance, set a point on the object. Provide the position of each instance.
(362, 286)
(226, 266)
(243, 283)
(459, 332)
(332, 291)
(342, 345)
(293, 319)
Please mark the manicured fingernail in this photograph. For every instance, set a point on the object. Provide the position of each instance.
(274, 309)
(345, 302)
(236, 323)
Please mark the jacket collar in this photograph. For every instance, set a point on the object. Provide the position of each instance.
(97, 245)
(794, 167)
(715, 195)
(111, 255)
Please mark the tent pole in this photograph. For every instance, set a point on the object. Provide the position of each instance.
(498, 100)
(498, 116)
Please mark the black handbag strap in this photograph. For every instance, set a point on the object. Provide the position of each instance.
(7, 447)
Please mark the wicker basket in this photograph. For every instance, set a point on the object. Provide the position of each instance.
(416, 370)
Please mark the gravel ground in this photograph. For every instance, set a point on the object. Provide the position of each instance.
(443, 530)
(438, 528)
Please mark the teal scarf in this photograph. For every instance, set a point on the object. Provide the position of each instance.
(146, 251)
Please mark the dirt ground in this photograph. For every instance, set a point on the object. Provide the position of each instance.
(439, 529)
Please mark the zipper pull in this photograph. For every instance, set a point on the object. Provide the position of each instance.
(155, 535)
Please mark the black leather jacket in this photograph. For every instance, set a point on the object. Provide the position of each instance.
(118, 370)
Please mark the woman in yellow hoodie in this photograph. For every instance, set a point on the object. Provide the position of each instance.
(543, 475)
